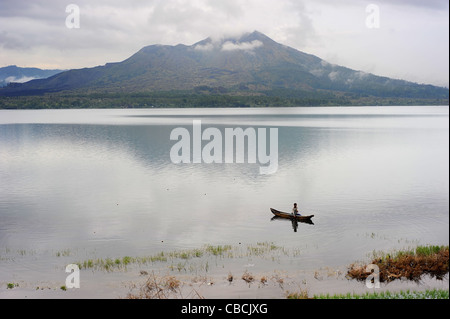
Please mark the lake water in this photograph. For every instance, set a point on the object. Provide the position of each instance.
(102, 183)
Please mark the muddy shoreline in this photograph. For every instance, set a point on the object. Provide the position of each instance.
(210, 273)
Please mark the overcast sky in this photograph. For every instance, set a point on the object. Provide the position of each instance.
(410, 42)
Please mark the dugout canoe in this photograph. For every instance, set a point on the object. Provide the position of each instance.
(290, 216)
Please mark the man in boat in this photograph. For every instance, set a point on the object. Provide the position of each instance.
(295, 210)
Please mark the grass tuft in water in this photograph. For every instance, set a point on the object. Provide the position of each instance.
(409, 264)
(11, 285)
(218, 250)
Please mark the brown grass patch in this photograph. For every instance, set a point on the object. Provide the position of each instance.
(248, 277)
(167, 287)
(406, 265)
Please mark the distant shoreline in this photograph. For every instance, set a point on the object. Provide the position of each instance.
(182, 99)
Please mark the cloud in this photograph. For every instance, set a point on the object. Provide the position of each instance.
(228, 45)
(361, 75)
(333, 75)
(437, 5)
(429, 4)
(245, 46)
(22, 79)
(204, 47)
(317, 72)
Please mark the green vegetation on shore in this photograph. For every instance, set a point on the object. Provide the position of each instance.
(408, 294)
(193, 99)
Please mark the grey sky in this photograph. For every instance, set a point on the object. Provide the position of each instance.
(411, 42)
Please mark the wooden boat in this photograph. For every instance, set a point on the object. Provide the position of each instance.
(290, 216)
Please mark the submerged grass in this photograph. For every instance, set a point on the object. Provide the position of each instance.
(218, 250)
(109, 264)
(260, 249)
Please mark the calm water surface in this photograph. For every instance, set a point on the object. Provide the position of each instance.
(101, 183)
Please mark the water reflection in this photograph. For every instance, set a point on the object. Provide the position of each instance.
(294, 222)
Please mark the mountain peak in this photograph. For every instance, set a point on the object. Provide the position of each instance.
(243, 42)
(255, 35)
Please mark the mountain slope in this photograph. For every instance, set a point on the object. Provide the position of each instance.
(250, 64)
(17, 74)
